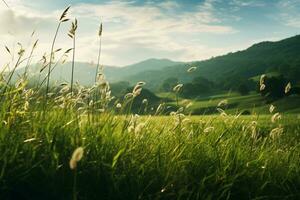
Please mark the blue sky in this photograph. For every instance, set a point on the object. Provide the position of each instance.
(135, 30)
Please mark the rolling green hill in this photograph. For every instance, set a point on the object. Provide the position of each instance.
(267, 57)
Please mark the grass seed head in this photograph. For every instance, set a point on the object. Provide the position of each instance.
(191, 69)
(128, 96)
(100, 30)
(276, 132)
(173, 113)
(21, 52)
(64, 14)
(141, 83)
(137, 90)
(275, 117)
(145, 101)
(177, 88)
(76, 157)
(130, 129)
(189, 105)
(208, 129)
(138, 129)
(287, 88)
(262, 79)
(262, 87)
(160, 108)
(223, 103)
(272, 108)
(73, 29)
(119, 105)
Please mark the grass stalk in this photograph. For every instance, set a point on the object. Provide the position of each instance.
(51, 58)
(99, 52)
(72, 34)
(61, 20)
(13, 71)
(98, 60)
(75, 185)
(73, 65)
(98, 64)
(29, 59)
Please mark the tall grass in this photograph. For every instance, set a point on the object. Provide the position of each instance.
(147, 157)
(138, 157)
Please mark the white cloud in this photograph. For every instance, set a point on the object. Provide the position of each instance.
(248, 3)
(131, 32)
(289, 12)
(17, 24)
(168, 5)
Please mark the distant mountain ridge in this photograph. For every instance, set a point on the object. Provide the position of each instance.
(123, 73)
(84, 72)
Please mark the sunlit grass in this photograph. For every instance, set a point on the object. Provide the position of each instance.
(167, 158)
(76, 142)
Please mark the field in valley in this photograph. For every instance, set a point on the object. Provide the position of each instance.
(249, 104)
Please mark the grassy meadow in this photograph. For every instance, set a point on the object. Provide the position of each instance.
(76, 142)
(146, 157)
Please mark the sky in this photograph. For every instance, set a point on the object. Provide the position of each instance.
(135, 30)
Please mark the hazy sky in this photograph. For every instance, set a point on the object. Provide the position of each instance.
(182, 30)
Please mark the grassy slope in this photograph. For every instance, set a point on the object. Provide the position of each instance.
(165, 158)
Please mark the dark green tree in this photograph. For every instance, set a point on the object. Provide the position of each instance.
(168, 84)
(274, 87)
(243, 89)
(197, 87)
